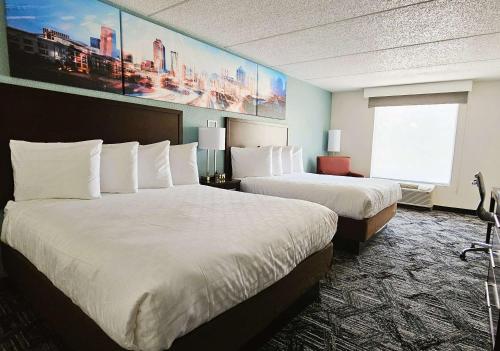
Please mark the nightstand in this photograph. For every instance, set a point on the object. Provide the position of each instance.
(233, 184)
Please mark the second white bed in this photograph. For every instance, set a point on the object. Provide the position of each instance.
(356, 198)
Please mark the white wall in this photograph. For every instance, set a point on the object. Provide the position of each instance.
(477, 142)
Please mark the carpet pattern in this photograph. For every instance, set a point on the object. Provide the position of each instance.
(407, 290)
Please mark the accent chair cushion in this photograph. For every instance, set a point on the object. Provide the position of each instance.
(334, 165)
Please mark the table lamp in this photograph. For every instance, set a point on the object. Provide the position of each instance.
(211, 138)
(334, 140)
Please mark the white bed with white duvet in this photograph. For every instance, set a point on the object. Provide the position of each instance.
(356, 198)
(364, 205)
(151, 266)
(116, 245)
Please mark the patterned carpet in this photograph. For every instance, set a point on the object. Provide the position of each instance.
(407, 290)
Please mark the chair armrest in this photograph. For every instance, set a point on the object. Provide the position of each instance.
(354, 174)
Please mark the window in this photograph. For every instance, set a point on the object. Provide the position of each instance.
(414, 143)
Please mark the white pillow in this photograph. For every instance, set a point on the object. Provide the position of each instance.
(153, 166)
(277, 163)
(119, 168)
(252, 161)
(297, 163)
(184, 164)
(56, 170)
(286, 159)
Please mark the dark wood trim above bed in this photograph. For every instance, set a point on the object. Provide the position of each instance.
(48, 116)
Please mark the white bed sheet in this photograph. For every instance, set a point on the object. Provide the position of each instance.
(356, 198)
(150, 267)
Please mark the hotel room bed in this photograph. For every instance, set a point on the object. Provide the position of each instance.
(356, 198)
(364, 205)
(151, 267)
(214, 266)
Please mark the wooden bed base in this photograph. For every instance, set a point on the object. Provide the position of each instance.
(244, 326)
(352, 232)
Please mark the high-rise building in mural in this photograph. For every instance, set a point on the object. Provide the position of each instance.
(108, 42)
(278, 86)
(159, 58)
(174, 63)
(184, 72)
(241, 76)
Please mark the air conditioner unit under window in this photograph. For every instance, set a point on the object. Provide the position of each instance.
(419, 195)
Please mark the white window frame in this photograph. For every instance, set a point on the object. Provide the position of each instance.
(452, 160)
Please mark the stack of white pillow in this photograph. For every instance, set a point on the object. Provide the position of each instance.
(266, 161)
(84, 170)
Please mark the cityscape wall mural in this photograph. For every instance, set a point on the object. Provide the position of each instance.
(164, 65)
(73, 43)
(79, 43)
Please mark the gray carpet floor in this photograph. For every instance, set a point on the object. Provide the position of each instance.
(407, 290)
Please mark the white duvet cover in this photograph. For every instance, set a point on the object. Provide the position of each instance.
(356, 198)
(150, 267)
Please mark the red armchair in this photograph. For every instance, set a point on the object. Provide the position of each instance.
(336, 165)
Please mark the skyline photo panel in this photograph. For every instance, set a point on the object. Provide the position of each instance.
(75, 43)
(271, 99)
(164, 65)
(79, 43)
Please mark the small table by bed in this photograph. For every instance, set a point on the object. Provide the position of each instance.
(233, 184)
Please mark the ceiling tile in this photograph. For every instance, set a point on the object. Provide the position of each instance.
(145, 8)
(425, 22)
(471, 70)
(229, 22)
(486, 47)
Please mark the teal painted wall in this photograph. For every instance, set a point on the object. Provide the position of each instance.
(308, 110)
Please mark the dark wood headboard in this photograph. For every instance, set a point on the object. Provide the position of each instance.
(245, 133)
(47, 116)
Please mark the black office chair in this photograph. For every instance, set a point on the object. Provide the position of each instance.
(482, 214)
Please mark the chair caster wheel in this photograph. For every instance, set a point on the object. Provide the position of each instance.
(462, 256)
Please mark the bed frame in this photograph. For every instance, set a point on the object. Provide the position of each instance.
(47, 116)
(248, 133)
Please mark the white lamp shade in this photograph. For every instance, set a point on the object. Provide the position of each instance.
(212, 138)
(334, 140)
